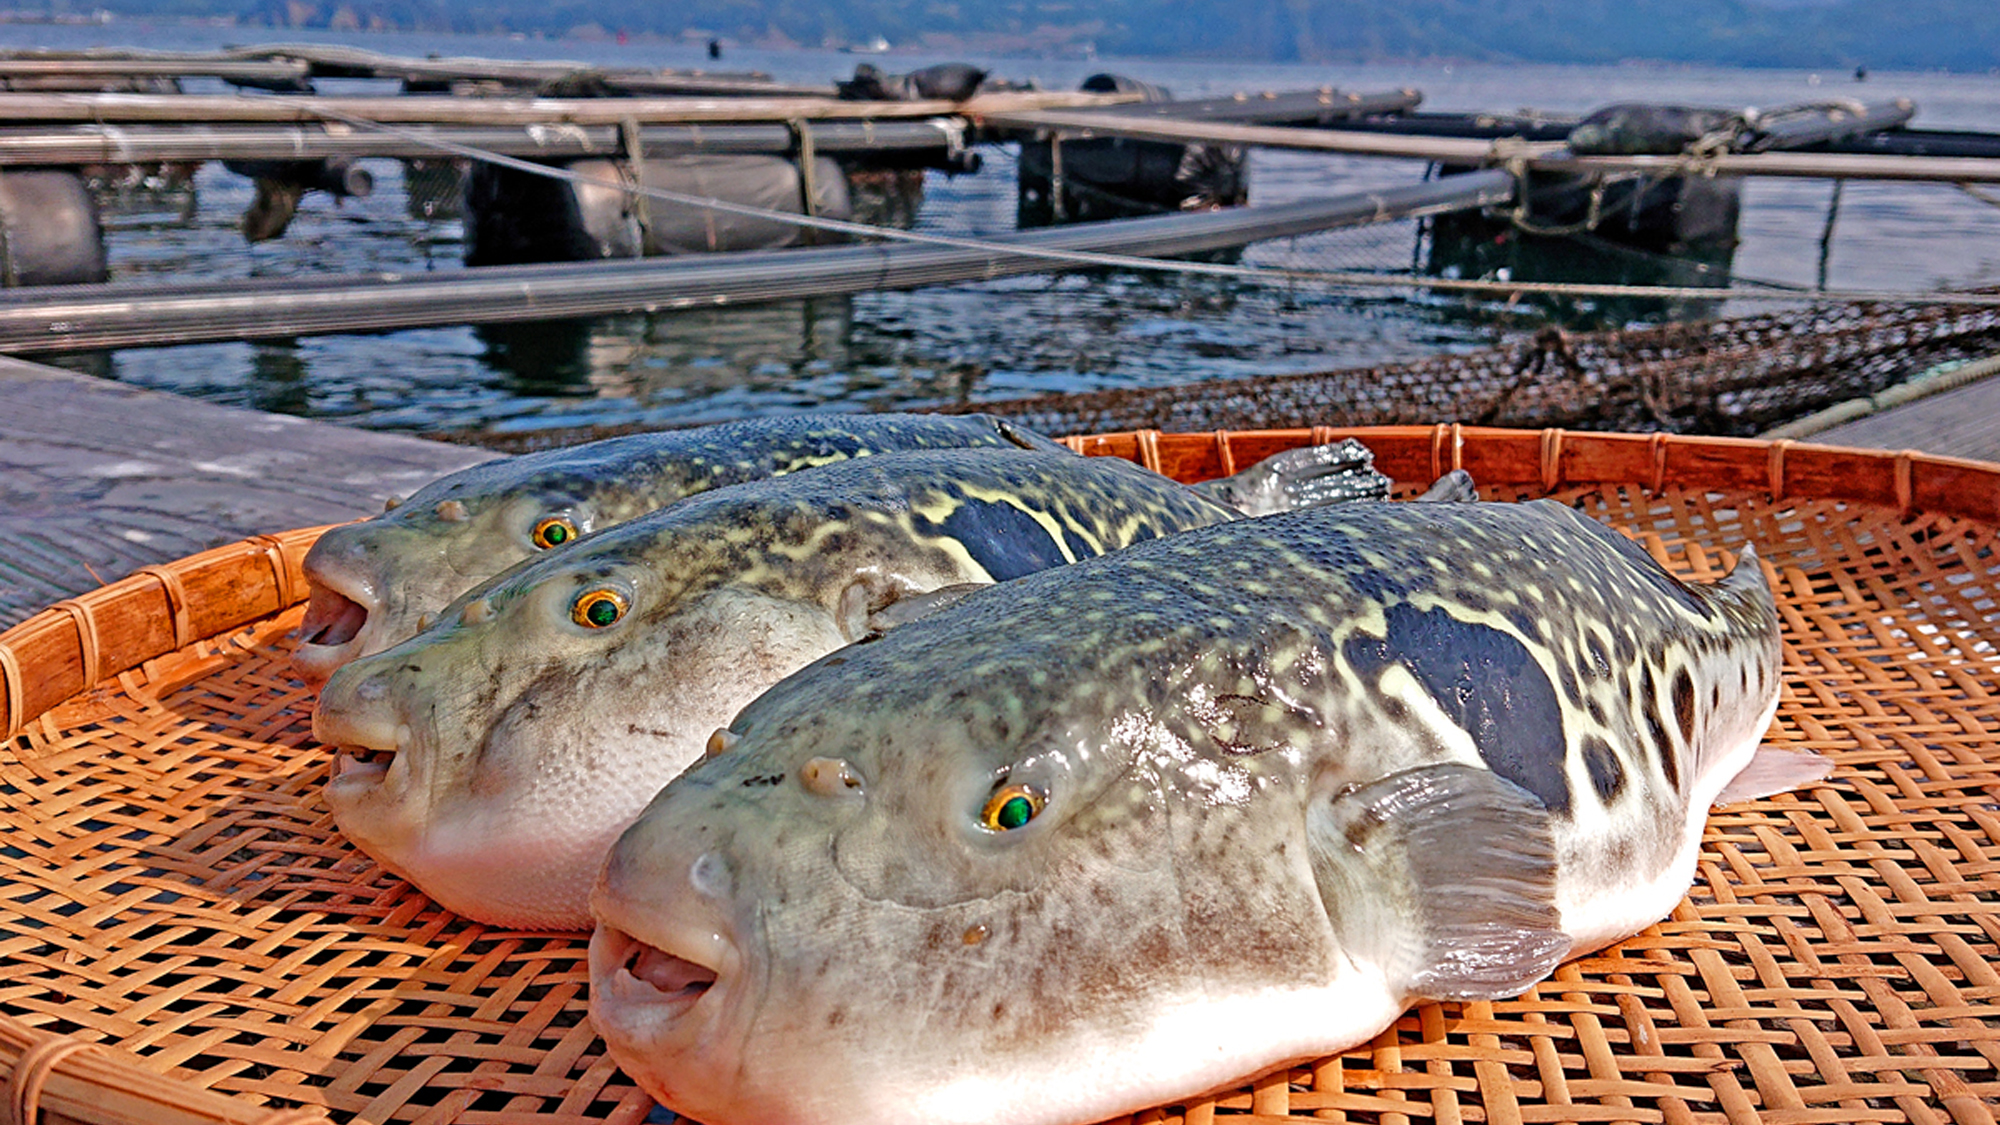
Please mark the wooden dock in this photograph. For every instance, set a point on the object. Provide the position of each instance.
(98, 479)
(1964, 422)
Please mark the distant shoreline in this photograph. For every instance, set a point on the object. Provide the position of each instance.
(1822, 41)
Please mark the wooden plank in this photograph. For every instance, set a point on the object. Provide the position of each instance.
(1547, 156)
(439, 109)
(1958, 423)
(330, 60)
(29, 145)
(1791, 165)
(98, 479)
(298, 61)
(1072, 124)
(246, 70)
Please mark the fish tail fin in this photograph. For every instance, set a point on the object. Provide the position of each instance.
(1455, 487)
(1774, 770)
(1308, 477)
(1746, 590)
(1746, 582)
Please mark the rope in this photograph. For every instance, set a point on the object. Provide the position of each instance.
(10, 671)
(634, 165)
(1592, 215)
(1776, 468)
(1149, 449)
(86, 638)
(1337, 280)
(281, 574)
(1552, 453)
(1225, 453)
(177, 600)
(24, 1085)
(1980, 194)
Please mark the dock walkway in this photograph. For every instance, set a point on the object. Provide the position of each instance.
(1964, 422)
(98, 479)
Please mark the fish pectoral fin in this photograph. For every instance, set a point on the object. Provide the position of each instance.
(905, 610)
(1773, 770)
(1444, 877)
(1309, 477)
(1455, 487)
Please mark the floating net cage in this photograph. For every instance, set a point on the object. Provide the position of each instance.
(188, 938)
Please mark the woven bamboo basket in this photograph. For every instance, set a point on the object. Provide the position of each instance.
(187, 938)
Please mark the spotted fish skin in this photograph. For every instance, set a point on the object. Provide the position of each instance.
(1294, 773)
(525, 739)
(407, 564)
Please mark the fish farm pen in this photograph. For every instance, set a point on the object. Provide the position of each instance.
(600, 191)
(191, 939)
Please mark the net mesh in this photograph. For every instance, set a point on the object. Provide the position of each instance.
(175, 887)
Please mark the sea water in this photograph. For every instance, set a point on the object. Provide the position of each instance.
(995, 340)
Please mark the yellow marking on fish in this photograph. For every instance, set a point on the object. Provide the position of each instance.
(941, 508)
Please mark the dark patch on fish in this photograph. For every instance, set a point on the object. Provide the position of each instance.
(1684, 704)
(1002, 538)
(1607, 773)
(1488, 683)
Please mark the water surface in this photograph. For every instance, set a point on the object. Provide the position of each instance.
(978, 342)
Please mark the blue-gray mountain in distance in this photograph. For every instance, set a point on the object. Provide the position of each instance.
(1960, 35)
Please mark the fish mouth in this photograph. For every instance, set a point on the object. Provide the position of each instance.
(644, 992)
(330, 635)
(365, 743)
(358, 766)
(677, 983)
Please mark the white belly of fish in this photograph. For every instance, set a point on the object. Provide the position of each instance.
(1197, 1042)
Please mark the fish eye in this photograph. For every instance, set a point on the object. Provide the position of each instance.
(598, 609)
(553, 532)
(1011, 807)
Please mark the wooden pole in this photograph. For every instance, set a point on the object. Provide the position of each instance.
(245, 70)
(142, 144)
(443, 110)
(1546, 156)
(135, 314)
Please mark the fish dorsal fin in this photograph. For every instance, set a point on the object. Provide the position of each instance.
(1444, 877)
(1773, 770)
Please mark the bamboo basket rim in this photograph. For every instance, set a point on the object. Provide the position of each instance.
(88, 624)
(145, 629)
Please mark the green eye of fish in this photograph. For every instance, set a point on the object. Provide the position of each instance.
(553, 532)
(1011, 807)
(598, 609)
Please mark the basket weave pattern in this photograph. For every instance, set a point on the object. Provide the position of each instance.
(177, 901)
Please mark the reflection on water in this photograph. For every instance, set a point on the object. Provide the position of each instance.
(1009, 337)
(279, 382)
(1496, 250)
(677, 367)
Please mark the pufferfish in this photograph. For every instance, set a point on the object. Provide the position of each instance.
(1130, 830)
(380, 581)
(493, 758)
